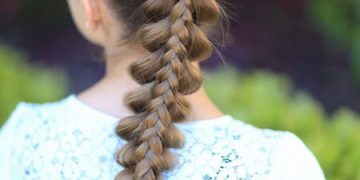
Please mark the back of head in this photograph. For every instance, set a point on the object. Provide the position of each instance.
(173, 31)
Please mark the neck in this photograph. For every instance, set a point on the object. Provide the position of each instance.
(107, 94)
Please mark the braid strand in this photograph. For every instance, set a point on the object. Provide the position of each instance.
(174, 40)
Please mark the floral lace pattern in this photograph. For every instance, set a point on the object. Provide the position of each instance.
(64, 140)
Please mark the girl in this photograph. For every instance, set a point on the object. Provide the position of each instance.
(149, 117)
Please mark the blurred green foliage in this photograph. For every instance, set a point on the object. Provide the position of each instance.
(20, 81)
(340, 20)
(267, 100)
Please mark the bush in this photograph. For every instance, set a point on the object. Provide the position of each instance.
(20, 81)
(268, 100)
(340, 21)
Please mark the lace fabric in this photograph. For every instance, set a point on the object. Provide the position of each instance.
(70, 140)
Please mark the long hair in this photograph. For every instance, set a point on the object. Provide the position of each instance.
(173, 31)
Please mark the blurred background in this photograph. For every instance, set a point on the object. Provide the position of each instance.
(286, 64)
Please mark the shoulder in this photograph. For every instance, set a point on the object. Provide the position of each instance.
(236, 149)
(290, 157)
(31, 118)
(28, 117)
(26, 123)
(23, 113)
(31, 121)
(294, 160)
(54, 135)
(231, 133)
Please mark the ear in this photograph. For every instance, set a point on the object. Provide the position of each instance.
(92, 14)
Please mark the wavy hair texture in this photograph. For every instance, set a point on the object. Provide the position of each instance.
(171, 31)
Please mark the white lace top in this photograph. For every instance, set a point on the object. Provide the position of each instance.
(70, 140)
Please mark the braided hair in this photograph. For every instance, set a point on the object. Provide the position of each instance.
(171, 30)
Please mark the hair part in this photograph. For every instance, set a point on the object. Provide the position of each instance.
(171, 31)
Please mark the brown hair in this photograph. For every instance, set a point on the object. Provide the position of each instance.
(173, 32)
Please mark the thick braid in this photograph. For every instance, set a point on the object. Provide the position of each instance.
(174, 39)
